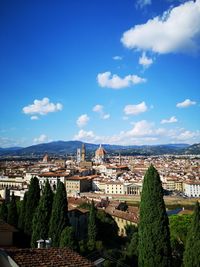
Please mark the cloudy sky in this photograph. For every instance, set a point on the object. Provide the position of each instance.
(100, 71)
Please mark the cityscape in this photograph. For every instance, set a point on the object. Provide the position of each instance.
(100, 137)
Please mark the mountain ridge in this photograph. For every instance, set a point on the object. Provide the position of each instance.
(70, 147)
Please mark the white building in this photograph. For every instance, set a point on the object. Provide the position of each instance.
(114, 187)
(191, 188)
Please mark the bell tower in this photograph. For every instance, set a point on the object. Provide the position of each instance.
(83, 152)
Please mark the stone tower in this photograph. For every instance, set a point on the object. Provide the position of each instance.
(83, 152)
(78, 155)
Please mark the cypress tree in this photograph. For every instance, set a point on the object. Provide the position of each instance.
(67, 238)
(192, 249)
(22, 213)
(42, 216)
(92, 228)
(33, 198)
(4, 211)
(154, 237)
(12, 212)
(59, 216)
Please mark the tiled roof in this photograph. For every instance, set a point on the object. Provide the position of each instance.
(48, 257)
(128, 216)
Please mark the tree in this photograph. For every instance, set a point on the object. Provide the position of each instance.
(154, 237)
(122, 206)
(22, 213)
(33, 198)
(132, 249)
(59, 216)
(12, 212)
(4, 211)
(67, 238)
(192, 249)
(42, 215)
(92, 229)
(179, 225)
(106, 228)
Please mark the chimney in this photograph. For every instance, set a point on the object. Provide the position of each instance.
(40, 243)
(48, 243)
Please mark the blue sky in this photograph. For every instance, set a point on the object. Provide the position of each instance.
(100, 71)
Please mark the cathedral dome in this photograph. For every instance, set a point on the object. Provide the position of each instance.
(100, 152)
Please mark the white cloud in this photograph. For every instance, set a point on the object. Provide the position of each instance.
(41, 139)
(98, 108)
(145, 61)
(125, 118)
(42, 107)
(142, 133)
(34, 118)
(106, 116)
(108, 80)
(186, 103)
(177, 30)
(187, 135)
(143, 3)
(135, 109)
(85, 136)
(117, 58)
(141, 128)
(82, 120)
(170, 120)
(6, 142)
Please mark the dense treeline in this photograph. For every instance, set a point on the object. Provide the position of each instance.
(157, 241)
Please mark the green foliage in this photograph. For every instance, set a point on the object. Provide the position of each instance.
(130, 230)
(42, 216)
(85, 205)
(133, 246)
(67, 238)
(59, 216)
(92, 228)
(114, 258)
(154, 238)
(4, 211)
(83, 247)
(22, 213)
(122, 206)
(179, 227)
(33, 198)
(12, 212)
(177, 252)
(130, 251)
(178, 231)
(192, 249)
(99, 245)
(107, 229)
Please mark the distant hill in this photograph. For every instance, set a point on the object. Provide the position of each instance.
(193, 150)
(9, 150)
(70, 147)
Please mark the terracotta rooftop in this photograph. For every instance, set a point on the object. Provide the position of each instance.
(76, 201)
(48, 257)
(53, 174)
(128, 216)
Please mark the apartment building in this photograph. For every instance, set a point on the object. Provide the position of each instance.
(192, 188)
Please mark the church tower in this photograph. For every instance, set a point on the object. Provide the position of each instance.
(83, 152)
(78, 155)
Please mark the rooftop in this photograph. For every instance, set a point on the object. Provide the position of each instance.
(51, 257)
